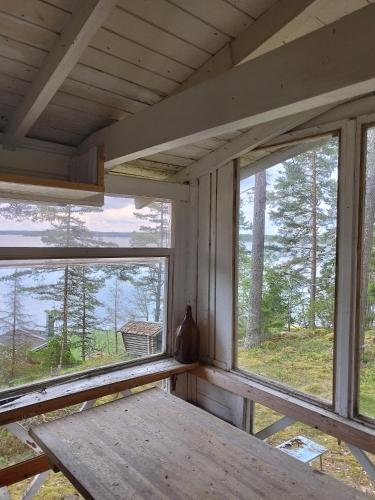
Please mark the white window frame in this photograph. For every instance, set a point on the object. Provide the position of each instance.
(344, 383)
(121, 186)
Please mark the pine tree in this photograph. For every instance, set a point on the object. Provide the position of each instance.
(13, 320)
(303, 204)
(85, 285)
(367, 233)
(244, 262)
(157, 234)
(254, 327)
(68, 229)
(116, 309)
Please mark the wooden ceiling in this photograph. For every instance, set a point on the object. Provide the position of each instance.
(142, 53)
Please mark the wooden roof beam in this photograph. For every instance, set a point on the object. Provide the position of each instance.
(283, 16)
(68, 49)
(244, 143)
(322, 68)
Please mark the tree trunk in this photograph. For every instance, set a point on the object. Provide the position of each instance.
(64, 333)
(314, 242)
(158, 293)
(159, 270)
(115, 314)
(368, 231)
(14, 324)
(254, 327)
(83, 345)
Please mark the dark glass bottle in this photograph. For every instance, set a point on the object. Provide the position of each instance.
(187, 339)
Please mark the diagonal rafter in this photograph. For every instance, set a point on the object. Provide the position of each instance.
(244, 143)
(68, 49)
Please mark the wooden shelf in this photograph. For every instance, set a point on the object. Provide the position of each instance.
(85, 183)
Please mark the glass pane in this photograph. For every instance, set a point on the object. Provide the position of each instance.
(118, 223)
(61, 318)
(286, 269)
(367, 298)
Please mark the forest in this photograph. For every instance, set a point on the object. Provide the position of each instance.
(83, 306)
(286, 272)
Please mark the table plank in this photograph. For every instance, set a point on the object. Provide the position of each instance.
(154, 445)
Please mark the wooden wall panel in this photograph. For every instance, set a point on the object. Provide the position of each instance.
(215, 281)
(224, 267)
(203, 272)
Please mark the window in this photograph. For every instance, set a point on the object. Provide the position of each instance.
(118, 223)
(286, 266)
(62, 315)
(366, 326)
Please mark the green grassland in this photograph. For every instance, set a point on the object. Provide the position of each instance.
(303, 361)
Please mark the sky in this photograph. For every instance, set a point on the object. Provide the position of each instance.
(117, 215)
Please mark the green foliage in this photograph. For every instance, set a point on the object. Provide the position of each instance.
(49, 356)
(275, 310)
(83, 318)
(289, 297)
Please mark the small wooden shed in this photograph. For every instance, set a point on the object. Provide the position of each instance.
(142, 337)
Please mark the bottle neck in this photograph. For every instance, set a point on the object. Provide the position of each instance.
(188, 313)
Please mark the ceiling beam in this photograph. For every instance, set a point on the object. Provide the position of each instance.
(244, 143)
(322, 68)
(64, 55)
(120, 185)
(273, 159)
(283, 16)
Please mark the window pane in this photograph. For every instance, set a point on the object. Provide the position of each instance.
(367, 296)
(61, 318)
(118, 223)
(286, 269)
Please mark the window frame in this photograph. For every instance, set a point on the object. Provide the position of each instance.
(363, 124)
(346, 270)
(97, 255)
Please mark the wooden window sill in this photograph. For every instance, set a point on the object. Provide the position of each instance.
(94, 386)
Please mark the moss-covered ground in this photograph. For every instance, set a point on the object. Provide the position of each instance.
(304, 361)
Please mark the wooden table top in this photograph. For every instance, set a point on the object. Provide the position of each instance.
(154, 445)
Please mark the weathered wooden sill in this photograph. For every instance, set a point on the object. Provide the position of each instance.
(350, 431)
(91, 387)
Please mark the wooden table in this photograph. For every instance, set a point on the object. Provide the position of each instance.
(153, 445)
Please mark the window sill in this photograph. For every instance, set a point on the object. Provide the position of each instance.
(91, 387)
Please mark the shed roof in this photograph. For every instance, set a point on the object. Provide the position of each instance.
(141, 328)
(28, 339)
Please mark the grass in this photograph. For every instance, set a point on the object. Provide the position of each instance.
(301, 360)
(28, 371)
(304, 361)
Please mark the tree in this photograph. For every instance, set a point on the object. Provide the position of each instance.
(69, 229)
(254, 327)
(367, 231)
(244, 262)
(303, 202)
(83, 295)
(116, 309)
(12, 319)
(155, 233)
